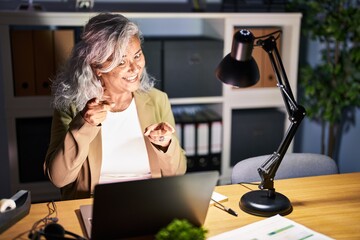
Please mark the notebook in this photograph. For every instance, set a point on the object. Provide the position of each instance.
(141, 208)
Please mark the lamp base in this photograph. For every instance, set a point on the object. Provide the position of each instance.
(260, 204)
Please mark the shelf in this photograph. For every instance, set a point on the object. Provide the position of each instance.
(198, 100)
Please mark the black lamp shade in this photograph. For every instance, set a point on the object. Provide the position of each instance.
(239, 68)
(238, 73)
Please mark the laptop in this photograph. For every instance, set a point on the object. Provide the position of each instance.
(141, 208)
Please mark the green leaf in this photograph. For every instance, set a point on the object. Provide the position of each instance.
(181, 230)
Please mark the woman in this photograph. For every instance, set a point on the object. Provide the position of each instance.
(109, 123)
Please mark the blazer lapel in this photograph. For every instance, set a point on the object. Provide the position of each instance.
(145, 109)
(146, 112)
(95, 160)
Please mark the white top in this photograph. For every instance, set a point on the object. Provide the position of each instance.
(124, 155)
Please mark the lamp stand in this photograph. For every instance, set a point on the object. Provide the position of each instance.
(260, 204)
(266, 202)
(240, 69)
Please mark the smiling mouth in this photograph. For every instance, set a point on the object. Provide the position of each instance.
(131, 79)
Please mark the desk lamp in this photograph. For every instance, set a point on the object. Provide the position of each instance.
(239, 69)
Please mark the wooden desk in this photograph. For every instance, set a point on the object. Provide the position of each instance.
(327, 204)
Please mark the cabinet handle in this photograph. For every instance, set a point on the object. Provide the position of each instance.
(195, 59)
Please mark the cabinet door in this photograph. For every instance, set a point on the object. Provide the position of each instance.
(153, 52)
(189, 67)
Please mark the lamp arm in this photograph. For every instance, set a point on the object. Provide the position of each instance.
(296, 113)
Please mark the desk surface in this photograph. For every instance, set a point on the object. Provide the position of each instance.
(327, 204)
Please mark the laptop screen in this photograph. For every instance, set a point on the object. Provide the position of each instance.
(141, 208)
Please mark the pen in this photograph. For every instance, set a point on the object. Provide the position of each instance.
(226, 209)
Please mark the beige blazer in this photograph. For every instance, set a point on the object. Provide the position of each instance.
(73, 159)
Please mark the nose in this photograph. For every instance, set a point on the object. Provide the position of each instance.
(134, 67)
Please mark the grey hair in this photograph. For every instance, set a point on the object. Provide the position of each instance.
(105, 37)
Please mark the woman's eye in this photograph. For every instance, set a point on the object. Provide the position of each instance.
(121, 63)
(137, 56)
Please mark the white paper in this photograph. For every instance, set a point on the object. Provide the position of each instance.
(274, 228)
(218, 197)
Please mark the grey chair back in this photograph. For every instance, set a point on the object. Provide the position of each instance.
(293, 165)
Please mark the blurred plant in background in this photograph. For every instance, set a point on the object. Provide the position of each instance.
(332, 87)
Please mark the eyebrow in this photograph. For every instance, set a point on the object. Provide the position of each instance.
(135, 53)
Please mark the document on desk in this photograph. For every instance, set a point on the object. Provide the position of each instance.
(217, 197)
(274, 228)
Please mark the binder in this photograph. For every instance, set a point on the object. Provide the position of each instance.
(215, 131)
(36, 55)
(215, 144)
(23, 62)
(189, 139)
(64, 40)
(186, 133)
(44, 60)
(188, 129)
(202, 138)
(201, 130)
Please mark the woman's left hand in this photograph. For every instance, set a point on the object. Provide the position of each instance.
(160, 133)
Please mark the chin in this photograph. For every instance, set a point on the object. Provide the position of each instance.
(134, 86)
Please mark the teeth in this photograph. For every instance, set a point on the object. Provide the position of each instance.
(131, 78)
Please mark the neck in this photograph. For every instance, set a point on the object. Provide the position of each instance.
(122, 102)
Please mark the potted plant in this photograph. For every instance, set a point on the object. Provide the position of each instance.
(331, 89)
(181, 230)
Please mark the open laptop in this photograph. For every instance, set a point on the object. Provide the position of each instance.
(141, 208)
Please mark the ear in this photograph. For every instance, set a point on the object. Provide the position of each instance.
(96, 70)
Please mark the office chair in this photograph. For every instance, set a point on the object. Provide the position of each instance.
(293, 165)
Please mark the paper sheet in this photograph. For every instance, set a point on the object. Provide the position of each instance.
(218, 197)
(274, 228)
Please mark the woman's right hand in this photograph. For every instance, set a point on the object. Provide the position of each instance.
(95, 111)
